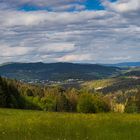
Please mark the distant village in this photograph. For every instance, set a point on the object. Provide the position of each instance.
(51, 82)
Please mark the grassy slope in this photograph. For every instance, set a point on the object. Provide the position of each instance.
(100, 83)
(113, 84)
(36, 125)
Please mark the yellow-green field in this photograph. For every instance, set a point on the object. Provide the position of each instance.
(37, 125)
(100, 83)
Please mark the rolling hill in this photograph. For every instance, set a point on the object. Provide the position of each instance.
(56, 71)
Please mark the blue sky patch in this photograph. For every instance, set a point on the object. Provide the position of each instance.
(89, 4)
(94, 5)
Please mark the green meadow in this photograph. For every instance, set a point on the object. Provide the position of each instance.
(39, 125)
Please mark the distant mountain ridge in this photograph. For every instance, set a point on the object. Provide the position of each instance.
(125, 64)
(56, 71)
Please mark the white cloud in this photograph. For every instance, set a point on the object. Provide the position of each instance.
(14, 18)
(105, 36)
(56, 47)
(7, 51)
(18, 18)
(75, 58)
(123, 5)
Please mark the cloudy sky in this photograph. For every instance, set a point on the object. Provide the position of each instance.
(85, 31)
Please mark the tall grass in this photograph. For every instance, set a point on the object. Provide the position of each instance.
(38, 125)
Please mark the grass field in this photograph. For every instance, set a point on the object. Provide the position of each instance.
(37, 125)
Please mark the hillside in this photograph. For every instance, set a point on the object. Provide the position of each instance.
(56, 71)
(102, 95)
(113, 85)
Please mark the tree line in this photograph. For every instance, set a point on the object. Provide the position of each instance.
(14, 94)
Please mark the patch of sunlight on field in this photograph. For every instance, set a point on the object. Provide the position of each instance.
(38, 125)
(99, 83)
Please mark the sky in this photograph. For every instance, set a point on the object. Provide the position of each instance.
(83, 31)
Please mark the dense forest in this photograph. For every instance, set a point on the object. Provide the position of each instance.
(56, 71)
(121, 95)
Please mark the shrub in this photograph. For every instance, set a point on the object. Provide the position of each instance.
(89, 103)
(86, 104)
(48, 104)
(131, 108)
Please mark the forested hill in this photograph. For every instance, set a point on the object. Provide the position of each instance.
(56, 71)
(88, 99)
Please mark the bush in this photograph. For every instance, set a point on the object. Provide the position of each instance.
(131, 108)
(86, 104)
(100, 104)
(48, 104)
(89, 103)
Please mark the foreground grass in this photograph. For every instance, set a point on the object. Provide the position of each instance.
(37, 125)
